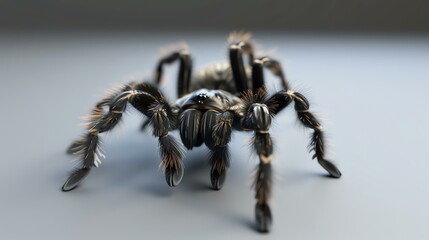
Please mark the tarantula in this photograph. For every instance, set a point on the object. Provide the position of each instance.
(218, 99)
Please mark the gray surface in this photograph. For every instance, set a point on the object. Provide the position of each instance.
(371, 90)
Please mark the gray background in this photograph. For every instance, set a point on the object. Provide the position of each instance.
(362, 64)
(297, 15)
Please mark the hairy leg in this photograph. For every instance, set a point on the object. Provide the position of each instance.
(240, 44)
(258, 76)
(281, 100)
(185, 70)
(150, 101)
(87, 147)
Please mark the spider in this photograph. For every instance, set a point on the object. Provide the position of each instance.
(218, 99)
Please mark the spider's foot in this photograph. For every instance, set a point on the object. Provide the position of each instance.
(217, 179)
(263, 217)
(75, 178)
(330, 168)
(174, 176)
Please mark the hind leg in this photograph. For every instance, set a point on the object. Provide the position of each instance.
(240, 45)
(183, 76)
(185, 69)
(274, 66)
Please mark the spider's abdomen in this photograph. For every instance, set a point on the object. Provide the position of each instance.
(215, 76)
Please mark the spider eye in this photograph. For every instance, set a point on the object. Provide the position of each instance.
(202, 97)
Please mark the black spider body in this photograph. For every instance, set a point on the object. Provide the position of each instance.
(196, 111)
(208, 99)
(216, 76)
(211, 104)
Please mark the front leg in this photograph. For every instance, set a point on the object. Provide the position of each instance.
(163, 119)
(216, 132)
(219, 159)
(257, 117)
(263, 146)
(172, 155)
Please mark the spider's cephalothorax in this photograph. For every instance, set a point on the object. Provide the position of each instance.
(219, 99)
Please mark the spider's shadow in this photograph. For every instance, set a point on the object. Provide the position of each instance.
(195, 180)
(135, 161)
(132, 162)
